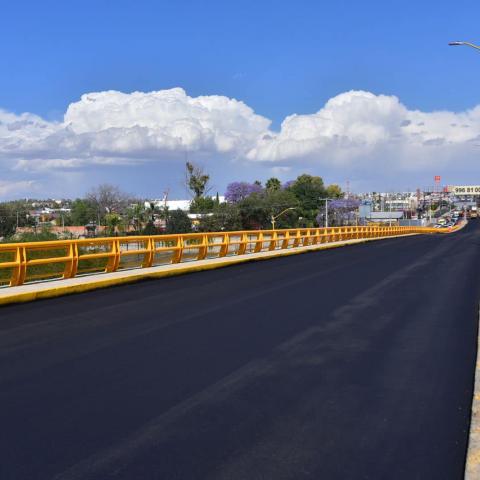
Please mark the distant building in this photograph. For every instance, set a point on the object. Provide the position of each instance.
(173, 205)
(367, 215)
(177, 204)
(384, 217)
(401, 204)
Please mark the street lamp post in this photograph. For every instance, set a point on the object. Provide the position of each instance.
(273, 218)
(326, 213)
(476, 47)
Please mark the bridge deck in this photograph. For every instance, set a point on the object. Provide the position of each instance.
(349, 363)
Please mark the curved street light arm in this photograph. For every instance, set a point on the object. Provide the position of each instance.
(273, 218)
(282, 212)
(468, 44)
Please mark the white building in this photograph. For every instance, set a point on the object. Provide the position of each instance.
(177, 204)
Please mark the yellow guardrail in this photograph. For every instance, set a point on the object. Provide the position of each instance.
(26, 262)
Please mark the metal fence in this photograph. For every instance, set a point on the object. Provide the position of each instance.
(28, 262)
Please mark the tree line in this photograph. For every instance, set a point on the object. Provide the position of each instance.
(247, 206)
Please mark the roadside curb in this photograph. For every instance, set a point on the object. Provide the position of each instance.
(472, 466)
(57, 288)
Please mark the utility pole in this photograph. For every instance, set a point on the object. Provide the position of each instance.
(326, 213)
(389, 210)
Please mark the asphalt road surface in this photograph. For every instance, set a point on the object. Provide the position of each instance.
(352, 363)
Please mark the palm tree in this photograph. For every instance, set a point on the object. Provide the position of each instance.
(113, 220)
(136, 215)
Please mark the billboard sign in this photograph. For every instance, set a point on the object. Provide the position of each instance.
(466, 190)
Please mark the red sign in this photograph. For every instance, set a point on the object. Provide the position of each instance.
(437, 178)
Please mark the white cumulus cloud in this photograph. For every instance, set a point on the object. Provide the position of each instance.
(357, 130)
(112, 125)
(143, 123)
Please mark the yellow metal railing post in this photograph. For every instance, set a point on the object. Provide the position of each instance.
(286, 240)
(177, 256)
(20, 270)
(273, 241)
(114, 260)
(242, 248)
(306, 238)
(322, 237)
(71, 266)
(202, 250)
(259, 242)
(150, 253)
(296, 242)
(224, 248)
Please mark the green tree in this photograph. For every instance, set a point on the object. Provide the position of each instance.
(257, 209)
(64, 219)
(273, 184)
(113, 221)
(309, 191)
(150, 229)
(178, 222)
(276, 202)
(253, 211)
(225, 216)
(12, 214)
(202, 205)
(136, 216)
(334, 191)
(196, 180)
(8, 221)
(83, 212)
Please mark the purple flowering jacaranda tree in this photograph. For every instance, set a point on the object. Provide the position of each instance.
(237, 191)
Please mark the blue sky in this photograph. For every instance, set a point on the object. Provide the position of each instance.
(279, 58)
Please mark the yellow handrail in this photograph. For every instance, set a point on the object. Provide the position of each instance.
(69, 258)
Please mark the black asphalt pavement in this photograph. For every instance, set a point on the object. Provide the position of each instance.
(352, 363)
